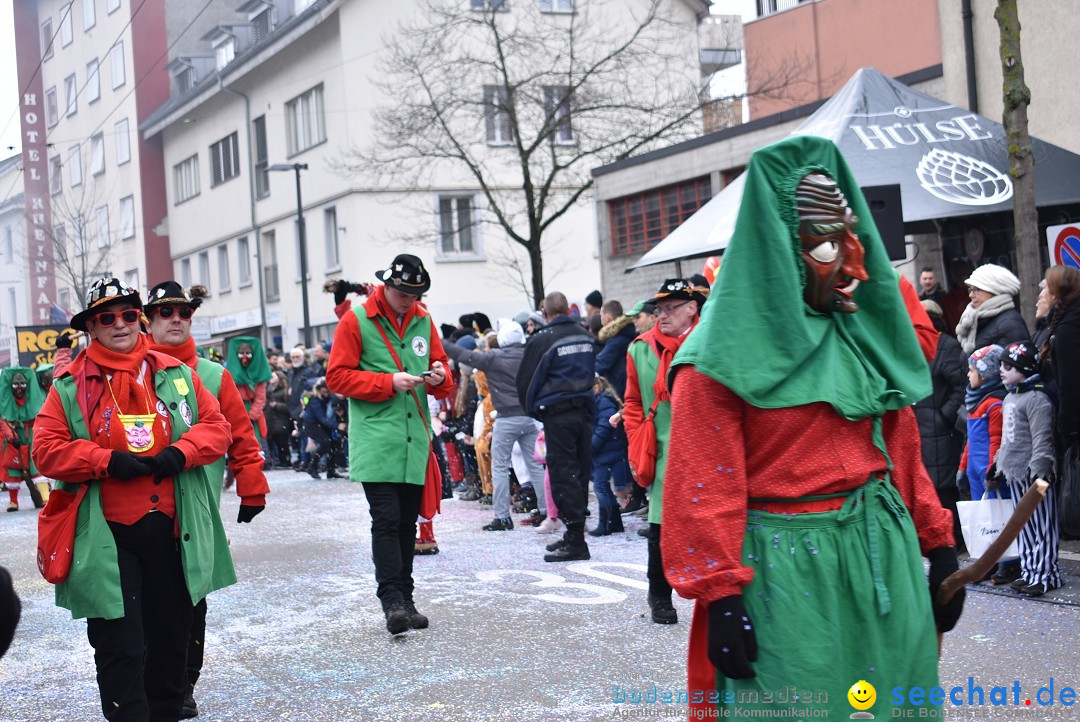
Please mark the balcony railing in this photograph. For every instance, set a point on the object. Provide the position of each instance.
(769, 7)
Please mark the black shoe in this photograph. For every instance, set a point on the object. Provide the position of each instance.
(397, 619)
(331, 474)
(1034, 590)
(534, 519)
(1005, 574)
(416, 619)
(643, 532)
(313, 472)
(189, 708)
(662, 610)
(602, 525)
(471, 495)
(498, 524)
(569, 553)
(485, 500)
(614, 522)
(556, 545)
(1019, 584)
(635, 503)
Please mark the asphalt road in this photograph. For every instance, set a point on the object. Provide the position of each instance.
(301, 636)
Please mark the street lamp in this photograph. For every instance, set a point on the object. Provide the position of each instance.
(297, 167)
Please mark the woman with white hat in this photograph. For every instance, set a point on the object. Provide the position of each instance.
(991, 316)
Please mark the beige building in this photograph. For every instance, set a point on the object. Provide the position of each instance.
(283, 83)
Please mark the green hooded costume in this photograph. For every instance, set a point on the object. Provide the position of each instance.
(257, 372)
(759, 338)
(20, 418)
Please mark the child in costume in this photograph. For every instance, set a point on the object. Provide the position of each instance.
(797, 510)
(20, 400)
(983, 402)
(1026, 454)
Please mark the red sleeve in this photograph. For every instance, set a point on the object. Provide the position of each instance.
(245, 455)
(705, 495)
(57, 455)
(209, 439)
(258, 404)
(61, 360)
(633, 413)
(994, 422)
(447, 388)
(963, 458)
(343, 308)
(933, 524)
(920, 319)
(342, 373)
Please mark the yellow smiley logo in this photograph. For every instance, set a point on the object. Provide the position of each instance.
(862, 695)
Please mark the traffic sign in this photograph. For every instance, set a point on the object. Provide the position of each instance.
(1064, 245)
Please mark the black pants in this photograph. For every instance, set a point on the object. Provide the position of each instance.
(658, 584)
(569, 459)
(196, 643)
(141, 656)
(394, 508)
(279, 446)
(324, 445)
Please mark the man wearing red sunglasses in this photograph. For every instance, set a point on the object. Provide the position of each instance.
(169, 309)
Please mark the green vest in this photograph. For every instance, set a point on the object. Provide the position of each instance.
(210, 374)
(647, 364)
(92, 588)
(389, 440)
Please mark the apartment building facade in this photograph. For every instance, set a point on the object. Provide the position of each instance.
(91, 70)
(295, 82)
(14, 285)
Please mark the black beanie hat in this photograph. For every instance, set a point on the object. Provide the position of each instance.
(595, 299)
(1023, 357)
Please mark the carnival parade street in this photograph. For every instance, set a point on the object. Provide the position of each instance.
(511, 638)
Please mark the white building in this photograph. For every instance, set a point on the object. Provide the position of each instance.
(14, 291)
(284, 82)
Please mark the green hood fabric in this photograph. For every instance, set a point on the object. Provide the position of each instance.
(35, 397)
(758, 337)
(257, 372)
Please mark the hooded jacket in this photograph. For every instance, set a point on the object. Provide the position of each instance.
(611, 357)
(559, 366)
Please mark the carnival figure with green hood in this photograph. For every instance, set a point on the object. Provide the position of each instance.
(20, 400)
(796, 506)
(247, 363)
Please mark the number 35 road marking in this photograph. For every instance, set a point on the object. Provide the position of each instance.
(597, 594)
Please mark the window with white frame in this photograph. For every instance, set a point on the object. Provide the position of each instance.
(89, 14)
(296, 248)
(262, 175)
(127, 217)
(13, 300)
(112, 6)
(56, 181)
(78, 241)
(488, 5)
(47, 39)
(131, 278)
(71, 95)
(305, 121)
(74, 165)
(497, 121)
(60, 242)
(300, 6)
(204, 268)
(224, 160)
(64, 299)
(186, 179)
(224, 52)
(123, 141)
(116, 64)
(97, 154)
(52, 107)
(262, 22)
(556, 6)
(93, 81)
(9, 246)
(457, 226)
(185, 272)
(243, 262)
(101, 226)
(224, 281)
(330, 234)
(271, 282)
(66, 33)
(557, 107)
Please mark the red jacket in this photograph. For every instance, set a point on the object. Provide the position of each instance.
(59, 456)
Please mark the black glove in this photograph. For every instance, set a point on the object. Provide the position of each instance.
(169, 463)
(962, 482)
(16, 441)
(125, 466)
(247, 513)
(66, 339)
(732, 643)
(994, 477)
(943, 563)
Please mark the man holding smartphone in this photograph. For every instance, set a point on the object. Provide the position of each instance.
(386, 357)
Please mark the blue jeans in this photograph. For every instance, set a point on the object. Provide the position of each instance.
(602, 473)
(507, 431)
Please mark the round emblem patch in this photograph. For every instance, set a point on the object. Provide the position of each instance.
(185, 411)
(161, 408)
(419, 345)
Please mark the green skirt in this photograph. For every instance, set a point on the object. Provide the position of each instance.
(838, 597)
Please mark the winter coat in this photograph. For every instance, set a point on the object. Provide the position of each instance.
(278, 419)
(300, 380)
(1005, 328)
(938, 413)
(611, 357)
(1027, 434)
(608, 442)
(559, 365)
(319, 411)
(500, 365)
(1065, 360)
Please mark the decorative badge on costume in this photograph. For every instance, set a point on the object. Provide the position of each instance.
(419, 346)
(139, 429)
(862, 696)
(161, 409)
(181, 387)
(185, 412)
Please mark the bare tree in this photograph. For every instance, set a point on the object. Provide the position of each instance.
(522, 104)
(1017, 97)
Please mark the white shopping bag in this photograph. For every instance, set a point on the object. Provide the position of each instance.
(982, 521)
